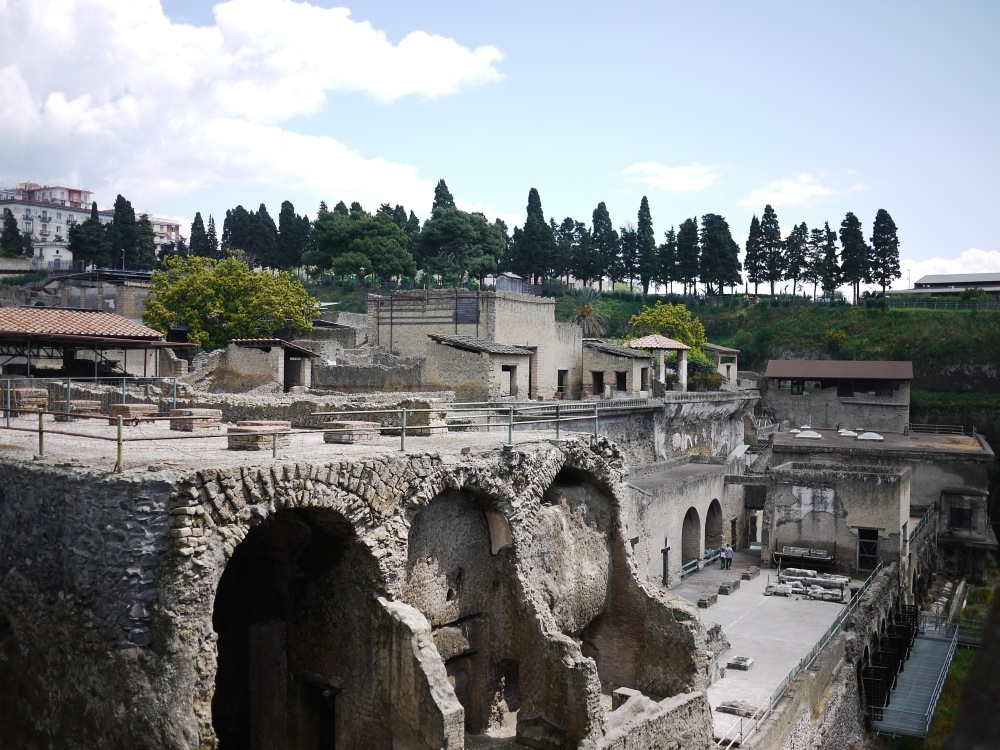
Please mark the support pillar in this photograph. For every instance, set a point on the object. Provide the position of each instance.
(682, 370)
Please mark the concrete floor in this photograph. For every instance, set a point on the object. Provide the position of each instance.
(775, 631)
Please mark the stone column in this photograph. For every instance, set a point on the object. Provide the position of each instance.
(663, 368)
(682, 370)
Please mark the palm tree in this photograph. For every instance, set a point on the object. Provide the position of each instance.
(585, 314)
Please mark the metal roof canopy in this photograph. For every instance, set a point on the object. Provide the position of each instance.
(288, 346)
(831, 369)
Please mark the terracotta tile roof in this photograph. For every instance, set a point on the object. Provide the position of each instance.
(656, 341)
(47, 321)
(835, 368)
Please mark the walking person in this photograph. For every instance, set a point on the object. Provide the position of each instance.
(729, 557)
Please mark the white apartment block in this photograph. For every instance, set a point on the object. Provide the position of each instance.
(47, 212)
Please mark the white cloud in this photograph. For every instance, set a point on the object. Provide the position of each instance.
(674, 179)
(801, 189)
(118, 95)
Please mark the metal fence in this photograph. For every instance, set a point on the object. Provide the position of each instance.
(748, 727)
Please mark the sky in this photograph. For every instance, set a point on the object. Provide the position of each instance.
(704, 107)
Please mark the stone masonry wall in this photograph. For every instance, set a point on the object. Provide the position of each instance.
(109, 634)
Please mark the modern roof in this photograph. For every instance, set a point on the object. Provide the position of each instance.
(834, 368)
(614, 350)
(268, 343)
(721, 349)
(965, 279)
(48, 321)
(472, 344)
(656, 341)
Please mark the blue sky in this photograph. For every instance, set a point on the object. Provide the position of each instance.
(721, 107)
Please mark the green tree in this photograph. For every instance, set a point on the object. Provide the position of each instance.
(587, 261)
(567, 237)
(666, 259)
(454, 243)
(537, 244)
(237, 231)
(198, 243)
(220, 300)
(830, 275)
(213, 239)
(145, 243)
(796, 250)
(293, 236)
(771, 247)
(263, 247)
(673, 321)
(629, 258)
(884, 258)
(123, 235)
(854, 266)
(11, 241)
(720, 255)
(647, 246)
(584, 311)
(358, 244)
(753, 261)
(442, 196)
(688, 264)
(606, 242)
(88, 241)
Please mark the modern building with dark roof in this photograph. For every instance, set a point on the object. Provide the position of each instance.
(838, 393)
(946, 284)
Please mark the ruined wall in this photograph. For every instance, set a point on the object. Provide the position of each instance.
(238, 369)
(367, 371)
(464, 372)
(655, 515)
(172, 606)
(818, 506)
(609, 365)
(825, 409)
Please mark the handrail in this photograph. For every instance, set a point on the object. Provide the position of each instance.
(921, 524)
(762, 713)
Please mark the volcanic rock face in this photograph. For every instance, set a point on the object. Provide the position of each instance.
(405, 599)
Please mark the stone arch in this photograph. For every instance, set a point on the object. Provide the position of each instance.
(691, 544)
(459, 574)
(715, 532)
(295, 636)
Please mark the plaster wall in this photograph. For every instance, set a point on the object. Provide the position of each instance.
(930, 471)
(815, 506)
(654, 517)
(827, 410)
(609, 365)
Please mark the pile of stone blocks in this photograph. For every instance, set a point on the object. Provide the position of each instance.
(259, 434)
(28, 400)
(131, 413)
(350, 431)
(707, 601)
(191, 420)
(750, 573)
(729, 587)
(80, 406)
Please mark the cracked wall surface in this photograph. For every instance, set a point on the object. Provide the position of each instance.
(402, 598)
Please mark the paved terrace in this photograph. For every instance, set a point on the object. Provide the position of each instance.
(91, 443)
(892, 444)
(775, 631)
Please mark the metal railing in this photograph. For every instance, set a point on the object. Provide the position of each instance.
(899, 718)
(935, 429)
(690, 567)
(118, 390)
(968, 630)
(403, 420)
(748, 727)
(922, 523)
